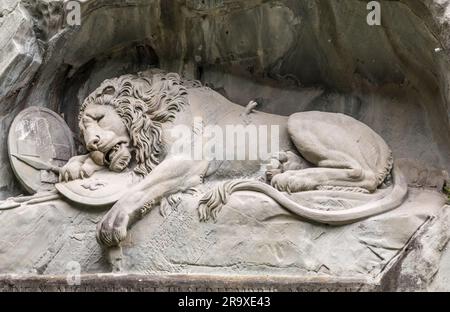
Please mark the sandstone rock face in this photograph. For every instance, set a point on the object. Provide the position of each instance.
(20, 59)
(20, 56)
(252, 236)
(289, 55)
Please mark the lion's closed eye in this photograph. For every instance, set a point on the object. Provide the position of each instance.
(96, 118)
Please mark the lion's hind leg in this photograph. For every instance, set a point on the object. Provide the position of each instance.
(335, 170)
(355, 179)
(284, 161)
(332, 143)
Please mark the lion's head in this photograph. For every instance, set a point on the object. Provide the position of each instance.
(126, 114)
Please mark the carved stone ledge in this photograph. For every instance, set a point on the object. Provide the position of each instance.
(179, 282)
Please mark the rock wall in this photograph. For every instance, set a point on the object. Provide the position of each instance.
(290, 55)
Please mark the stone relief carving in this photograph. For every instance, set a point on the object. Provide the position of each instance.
(126, 125)
(327, 169)
(286, 58)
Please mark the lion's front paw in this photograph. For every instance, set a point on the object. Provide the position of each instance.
(112, 230)
(71, 171)
(88, 169)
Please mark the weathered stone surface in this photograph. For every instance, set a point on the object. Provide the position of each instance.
(292, 56)
(260, 239)
(371, 73)
(19, 53)
(50, 230)
(424, 264)
(182, 283)
(20, 59)
(7, 179)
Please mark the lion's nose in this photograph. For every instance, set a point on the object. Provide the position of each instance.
(92, 145)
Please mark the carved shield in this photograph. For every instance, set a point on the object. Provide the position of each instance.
(105, 187)
(39, 136)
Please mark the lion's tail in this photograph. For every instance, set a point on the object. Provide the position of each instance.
(211, 204)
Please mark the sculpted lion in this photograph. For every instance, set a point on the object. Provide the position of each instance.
(127, 122)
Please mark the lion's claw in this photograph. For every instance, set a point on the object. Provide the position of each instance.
(78, 170)
(70, 171)
(112, 230)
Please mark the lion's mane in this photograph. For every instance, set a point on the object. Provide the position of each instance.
(144, 102)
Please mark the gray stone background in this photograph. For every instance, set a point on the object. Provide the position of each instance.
(290, 55)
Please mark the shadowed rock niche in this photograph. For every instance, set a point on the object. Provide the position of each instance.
(288, 56)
